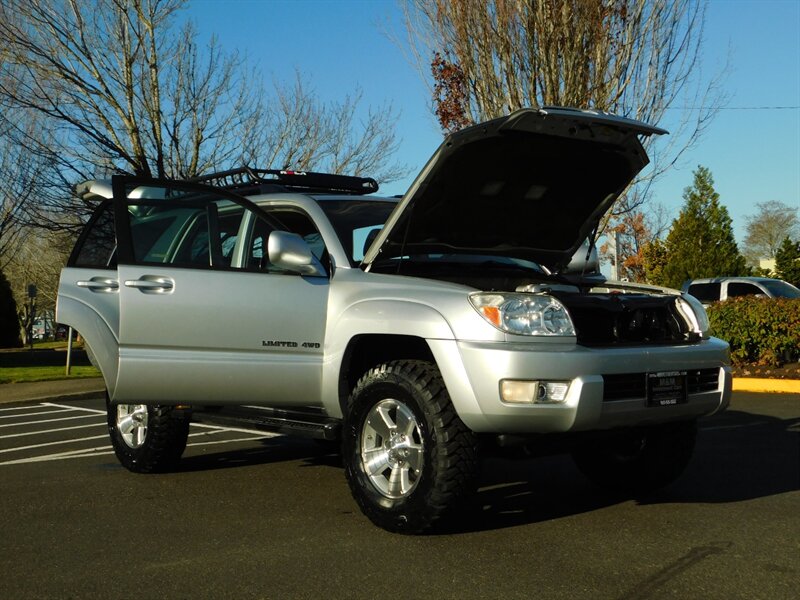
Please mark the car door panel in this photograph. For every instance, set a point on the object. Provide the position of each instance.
(196, 327)
(220, 337)
(88, 299)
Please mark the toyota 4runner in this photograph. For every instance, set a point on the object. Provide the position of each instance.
(419, 332)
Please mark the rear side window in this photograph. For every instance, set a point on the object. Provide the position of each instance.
(96, 248)
(737, 288)
(705, 292)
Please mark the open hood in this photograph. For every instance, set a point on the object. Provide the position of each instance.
(532, 185)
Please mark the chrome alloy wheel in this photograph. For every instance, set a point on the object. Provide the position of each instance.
(392, 448)
(132, 424)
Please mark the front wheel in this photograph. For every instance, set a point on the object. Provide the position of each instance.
(147, 438)
(409, 460)
(638, 461)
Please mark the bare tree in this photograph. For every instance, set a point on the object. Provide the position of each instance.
(120, 86)
(766, 230)
(637, 58)
(18, 189)
(36, 257)
(301, 131)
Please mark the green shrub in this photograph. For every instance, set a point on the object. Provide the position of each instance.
(760, 331)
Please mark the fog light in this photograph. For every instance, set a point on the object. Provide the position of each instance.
(516, 391)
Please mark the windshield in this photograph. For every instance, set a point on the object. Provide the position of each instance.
(781, 289)
(357, 222)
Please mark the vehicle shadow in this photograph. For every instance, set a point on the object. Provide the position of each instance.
(739, 456)
(264, 452)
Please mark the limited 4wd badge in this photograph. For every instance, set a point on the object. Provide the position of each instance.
(666, 388)
(288, 344)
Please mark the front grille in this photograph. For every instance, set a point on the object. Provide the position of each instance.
(626, 386)
(702, 380)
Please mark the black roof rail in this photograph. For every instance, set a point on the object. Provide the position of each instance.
(270, 180)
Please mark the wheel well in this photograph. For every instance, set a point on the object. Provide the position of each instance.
(367, 351)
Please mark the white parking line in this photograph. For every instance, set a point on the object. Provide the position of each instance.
(69, 441)
(212, 430)
(19, 408)
(82, 408)
(102, 450)
(62, 455)
(35, 414)
(13, 435)
(46, 421)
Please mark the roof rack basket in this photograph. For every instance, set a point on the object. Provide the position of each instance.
(270, 179)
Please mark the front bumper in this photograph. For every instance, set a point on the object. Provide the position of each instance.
(473, 370)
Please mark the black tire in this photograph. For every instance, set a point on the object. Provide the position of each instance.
(441, 446)
(638, 461)
(156, 447)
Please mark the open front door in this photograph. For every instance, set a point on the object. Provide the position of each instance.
(204, 319)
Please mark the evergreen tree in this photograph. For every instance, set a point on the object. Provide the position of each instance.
(701, 242)
(787, 261)
(9, 326)
(655, 257)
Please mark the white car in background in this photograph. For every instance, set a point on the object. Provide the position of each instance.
(714, 289)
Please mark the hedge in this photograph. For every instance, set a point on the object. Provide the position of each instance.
(761, 331)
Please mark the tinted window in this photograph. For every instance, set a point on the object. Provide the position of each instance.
(738, 288)
(781, 289)
(98, 243)
(705, 292)
(188, 236)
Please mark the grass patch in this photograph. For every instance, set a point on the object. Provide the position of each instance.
(44, 373)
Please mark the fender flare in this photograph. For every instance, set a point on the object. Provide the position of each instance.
(380, 317)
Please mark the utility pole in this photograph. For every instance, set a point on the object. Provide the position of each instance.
(31, 312)
(614, 243)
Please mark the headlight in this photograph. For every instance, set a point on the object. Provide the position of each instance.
(524, 314)
(694, 313)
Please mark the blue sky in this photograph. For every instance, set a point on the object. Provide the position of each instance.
(753, 153)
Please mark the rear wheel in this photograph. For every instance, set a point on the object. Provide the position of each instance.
(409, 460)
(638, 461)
(147, 438)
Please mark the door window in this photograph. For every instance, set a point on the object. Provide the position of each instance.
(194, 235)
(738, 288)
(284, 219)
(705, 292)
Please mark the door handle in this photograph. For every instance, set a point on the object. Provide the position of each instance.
(151, 284)
(99, 284)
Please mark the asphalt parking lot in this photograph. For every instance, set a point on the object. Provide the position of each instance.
(257, 515)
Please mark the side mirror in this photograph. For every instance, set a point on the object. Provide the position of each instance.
(585, 260)
(289, 251)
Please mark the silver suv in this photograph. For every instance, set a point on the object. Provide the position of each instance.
(420, 332)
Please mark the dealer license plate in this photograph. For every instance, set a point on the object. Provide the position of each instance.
(666, 388)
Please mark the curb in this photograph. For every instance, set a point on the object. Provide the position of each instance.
(753, 384)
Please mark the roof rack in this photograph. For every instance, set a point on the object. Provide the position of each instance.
(270, 180)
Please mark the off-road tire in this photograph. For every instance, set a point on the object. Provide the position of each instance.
(448, 448)
(638, 461)
(163, 443)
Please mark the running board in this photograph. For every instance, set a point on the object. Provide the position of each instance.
(306, 423)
